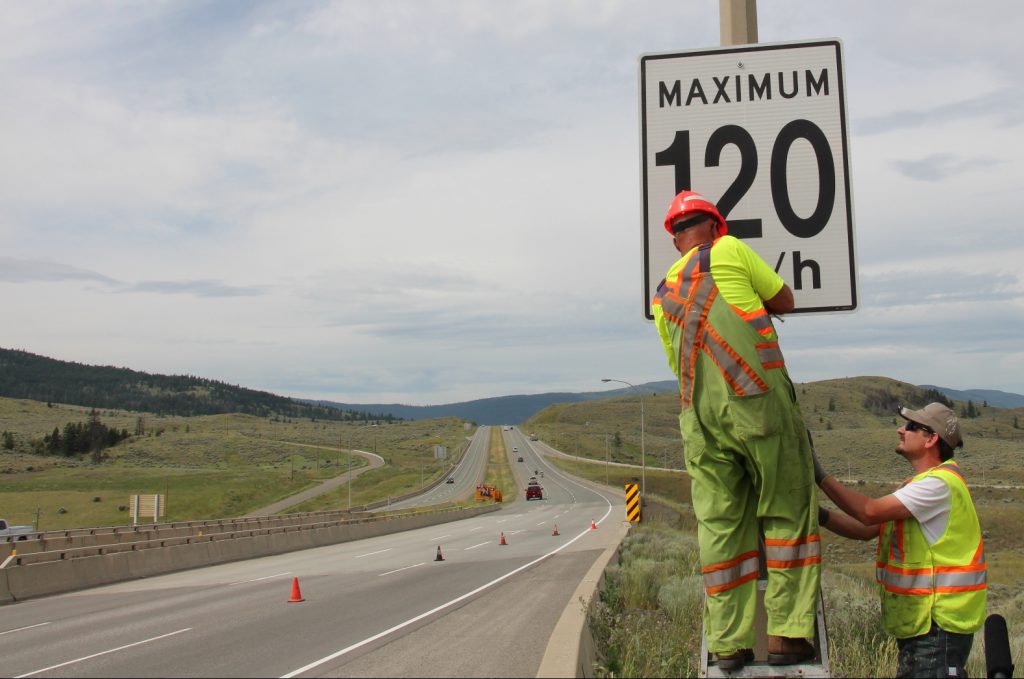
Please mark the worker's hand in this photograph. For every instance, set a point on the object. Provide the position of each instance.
(819, 471)
(823, 516)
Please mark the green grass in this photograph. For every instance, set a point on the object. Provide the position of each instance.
(851, 440)
(636, 619)
(209, 466)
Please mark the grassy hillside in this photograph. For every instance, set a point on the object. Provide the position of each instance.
(28, 376)
(853, 422)
(210, 466)
(854, 429)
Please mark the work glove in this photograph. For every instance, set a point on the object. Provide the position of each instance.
(819, 471)
(823, 516)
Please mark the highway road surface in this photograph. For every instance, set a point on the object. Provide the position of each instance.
(377, 607)
(470, 471)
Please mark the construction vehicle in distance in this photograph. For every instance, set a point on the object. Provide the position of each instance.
(533, 437)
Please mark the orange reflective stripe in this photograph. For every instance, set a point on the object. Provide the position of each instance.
(738, 374)
(792, 553)
(723, 576)
(770, 355)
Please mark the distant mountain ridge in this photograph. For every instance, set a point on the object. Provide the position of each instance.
(519, 408)
(994, 397)
(38, 378)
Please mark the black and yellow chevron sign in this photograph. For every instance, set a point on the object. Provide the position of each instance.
(633, 502)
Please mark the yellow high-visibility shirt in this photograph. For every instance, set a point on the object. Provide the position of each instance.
(744, 280)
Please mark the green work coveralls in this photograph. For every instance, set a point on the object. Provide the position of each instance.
(748, 454)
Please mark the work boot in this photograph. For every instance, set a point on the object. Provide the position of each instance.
(788, 651)
(734, 662)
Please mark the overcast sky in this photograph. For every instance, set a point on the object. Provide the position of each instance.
(435, 201)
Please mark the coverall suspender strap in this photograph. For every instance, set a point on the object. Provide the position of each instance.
(686, 302)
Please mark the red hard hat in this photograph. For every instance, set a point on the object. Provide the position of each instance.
(691, 201)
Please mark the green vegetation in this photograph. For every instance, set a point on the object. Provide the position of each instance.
(498, 473)
(638, 624)
(853, 427)
(28, 376)
(209, 466)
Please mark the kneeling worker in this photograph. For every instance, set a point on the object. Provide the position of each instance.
(931, 560)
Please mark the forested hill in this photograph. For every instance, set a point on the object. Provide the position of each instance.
(38, 378)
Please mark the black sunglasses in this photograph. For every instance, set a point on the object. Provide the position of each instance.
(916, 426)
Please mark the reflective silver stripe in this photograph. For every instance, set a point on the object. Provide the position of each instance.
(772, 354)
(792, 552)
(731, 574)
(760, 322)
(690, 331)
(732, 368)
(672, 306)
(961, 579)
(905, 581)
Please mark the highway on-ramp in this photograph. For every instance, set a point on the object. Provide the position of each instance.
(377, 607)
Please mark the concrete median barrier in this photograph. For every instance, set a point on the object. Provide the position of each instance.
(55, 571)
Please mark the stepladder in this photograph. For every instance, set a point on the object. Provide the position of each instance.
(814, 667)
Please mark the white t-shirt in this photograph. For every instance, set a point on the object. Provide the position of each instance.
(929, 501)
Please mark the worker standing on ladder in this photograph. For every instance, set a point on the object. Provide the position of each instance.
(931, 558)
(746, 446)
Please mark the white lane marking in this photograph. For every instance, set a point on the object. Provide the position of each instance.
(458, 599)
(401, 569)
(266, 577)
(477, 528)
(513, 532)
(23, 628)
(542, 523)
(96, 655)
(440, 536)
(502, 521)
(475, 546)
(379, 551)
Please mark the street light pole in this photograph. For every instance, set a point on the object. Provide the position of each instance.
(643, 450)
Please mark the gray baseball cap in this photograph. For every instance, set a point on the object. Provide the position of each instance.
(939, 419)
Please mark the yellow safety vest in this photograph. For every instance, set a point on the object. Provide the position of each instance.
(945, 582)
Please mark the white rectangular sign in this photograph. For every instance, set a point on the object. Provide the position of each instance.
(761, 131)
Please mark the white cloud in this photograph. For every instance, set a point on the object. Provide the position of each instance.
(430, 202)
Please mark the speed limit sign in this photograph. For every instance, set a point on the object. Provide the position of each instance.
(761, 131)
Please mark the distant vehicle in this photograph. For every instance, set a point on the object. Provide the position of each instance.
(533, 480)
(542, 473)
(520, 458)
(450, 480)
(8, 529)
(534, 492)
(533, 437)
(515, 449)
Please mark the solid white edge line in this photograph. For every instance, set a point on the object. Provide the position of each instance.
(96, 655)
(421, 616)
(265, 577)
(402, 569)
(11, 631)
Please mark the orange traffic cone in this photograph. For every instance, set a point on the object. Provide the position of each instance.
(502, 541)
(555, 531)
(439, 557)
(296, 593)
(593, 526)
